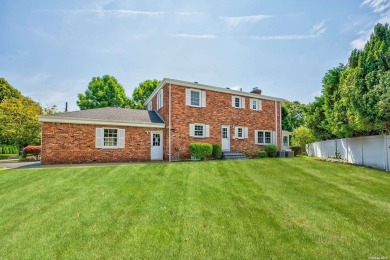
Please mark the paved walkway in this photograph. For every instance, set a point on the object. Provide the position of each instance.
(15, 165)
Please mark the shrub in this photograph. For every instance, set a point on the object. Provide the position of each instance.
(5, 150)
(35, 150)
(1, 150)
(248, 154)
(262, 154)
(296, 149)
(217, 151)
(271, 150)
(201, 150)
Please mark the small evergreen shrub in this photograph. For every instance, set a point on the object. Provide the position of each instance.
(8, 149)
(296, 149)
(201, 150)
(217, 151)
(271, 150)
(1, 150)
(262, 154)
(248, 154)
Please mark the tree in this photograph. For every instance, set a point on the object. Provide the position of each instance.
(286, 119)
(302, 136)
(7, 91)
(297, 113)
(143, 91)
(50, 110)
(103, 92)
(316, 120)
(19, 121)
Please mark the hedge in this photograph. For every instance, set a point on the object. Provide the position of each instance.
(201, 150)
(262, 154)
(217, 151)
(8, 149)
(271, 150)
(35, 150)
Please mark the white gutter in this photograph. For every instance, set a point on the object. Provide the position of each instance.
(83, 121)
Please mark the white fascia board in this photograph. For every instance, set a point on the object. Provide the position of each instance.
(211, 88)
(84, 121)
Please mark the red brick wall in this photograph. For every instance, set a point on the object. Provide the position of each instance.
(75, 143)
(218, 112)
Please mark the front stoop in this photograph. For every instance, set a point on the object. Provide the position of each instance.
(233, 156)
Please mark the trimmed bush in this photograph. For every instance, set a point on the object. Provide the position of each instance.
(262, 154)
(248, 154)
(271, 150)
(34, 150)
(8, 149)
(201, 150)
(217, 151)
(296, 149)
(1, 150)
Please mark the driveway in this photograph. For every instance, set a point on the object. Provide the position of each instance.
(15, 165)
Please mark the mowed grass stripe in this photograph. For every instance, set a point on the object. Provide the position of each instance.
(269, 208)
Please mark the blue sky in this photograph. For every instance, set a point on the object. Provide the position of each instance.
(50, 50)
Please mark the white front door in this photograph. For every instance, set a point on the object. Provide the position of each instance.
(156, 151)
(225, 134)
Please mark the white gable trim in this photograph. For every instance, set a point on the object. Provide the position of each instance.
(83, 121)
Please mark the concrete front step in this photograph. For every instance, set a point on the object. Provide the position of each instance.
(233, 155)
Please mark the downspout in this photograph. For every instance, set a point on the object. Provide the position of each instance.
(169, 125)
(280, 123)
(276, 124)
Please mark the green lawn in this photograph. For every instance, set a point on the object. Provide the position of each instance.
(263, 208)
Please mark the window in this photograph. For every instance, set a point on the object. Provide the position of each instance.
(195, 98)
(110, 138)
(238, 102)
(285, 141)
(263, 137)
(160, 97)
(255, 104)
(150, 105)
(241, 132)
(199, 130)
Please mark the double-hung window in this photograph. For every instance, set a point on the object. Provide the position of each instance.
(263, 137)
(195, 98)
(241, 132)
(199, 130)
(238, 102)
(160, 99)
(110, 138)
(255, 104)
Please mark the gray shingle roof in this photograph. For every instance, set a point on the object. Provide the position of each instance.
(113, 114)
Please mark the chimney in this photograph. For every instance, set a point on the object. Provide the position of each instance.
(256, 90)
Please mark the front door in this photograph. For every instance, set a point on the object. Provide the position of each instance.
(225, 134)
(156, 152)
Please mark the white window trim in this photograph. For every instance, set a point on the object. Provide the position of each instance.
(120, 138)
(206, 130)
(258, 104)
(160, 99)
(150, 105)
(242, 102)
(202, 97)
(272, 133)
(244, 132)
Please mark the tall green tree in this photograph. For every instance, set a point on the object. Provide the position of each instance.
(19, 121)
(297, 113)
(316, 120)
(103, 92)
(7, 91)
(286, 119)
(143, 91)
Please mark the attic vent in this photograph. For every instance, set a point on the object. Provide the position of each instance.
(256, 90)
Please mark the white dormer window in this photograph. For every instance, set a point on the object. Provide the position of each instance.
(255, 104)
(238, 102)
(195, 98)
(150, 105)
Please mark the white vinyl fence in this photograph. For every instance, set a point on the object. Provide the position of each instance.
(373, 151)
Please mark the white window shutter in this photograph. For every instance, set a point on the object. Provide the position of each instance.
(203, 98)
(260, 104)
(162, 98)
(242, 102)
(121, 138)
(207, 131)
(233, 101)
(273, 137)
(192, 129)
(256, 137)
(236, 132)
(245, 132)
(188, 97)
(99, 138)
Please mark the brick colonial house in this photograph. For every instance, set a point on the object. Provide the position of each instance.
(178, 113)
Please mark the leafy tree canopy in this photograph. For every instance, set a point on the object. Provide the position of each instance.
(7, 91)
(302, 136)
(103, 92)
(143, 91)
(286, 119)
(19, 121)
(296, 111)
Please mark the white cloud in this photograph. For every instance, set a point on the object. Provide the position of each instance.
(188, 13)
(107, 12)
(379, 7)
(237, 20)
(316, 31)
(194, 36)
